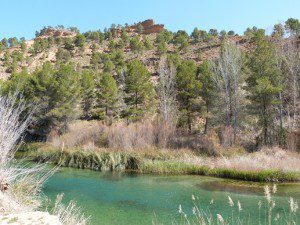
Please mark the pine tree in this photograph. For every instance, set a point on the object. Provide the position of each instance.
(196, 34)
(139, 28)
(292, 26)
(278, 30)
(66, 99)
(188, 88)
(181, 39)
(139, 91)
(208, 91)
(124, 36)
(264, 85)
(87, 93)
(57, 94)
(135, 45)
(147, 43)
(80, 40)
(162, 48)
(107, 97)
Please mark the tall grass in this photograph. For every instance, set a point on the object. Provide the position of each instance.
(94, 145)
(160, 162)
(87, 134)
(92, 134)
(137, 135)
(177, 168)
(68, 214)
(148, 133)
(265, 212)
(266, 159)
(20, 184)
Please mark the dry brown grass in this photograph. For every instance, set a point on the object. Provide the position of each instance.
(90, 135)
(86, 134)
(146, 134)
(265, 159)
(132, 136)
(141, 138)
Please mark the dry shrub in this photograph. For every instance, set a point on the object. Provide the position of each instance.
(86, 134)
(20, 185)
(165, 132)
(226, 136)
(90, 135)
(146, 134)
(132, 136)
(200, 144)
(69, 214)
(293, 141)
(266, 159)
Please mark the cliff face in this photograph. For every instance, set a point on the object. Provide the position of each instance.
(149, 27)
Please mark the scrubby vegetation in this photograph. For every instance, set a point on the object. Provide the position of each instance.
(20, 182)
(118, 93)
(210, 103)
(275, 166)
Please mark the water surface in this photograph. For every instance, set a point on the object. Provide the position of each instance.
(122, 198)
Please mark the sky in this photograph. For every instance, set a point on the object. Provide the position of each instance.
(21, 18)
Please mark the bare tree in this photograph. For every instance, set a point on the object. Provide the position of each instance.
(167, 101)
(228, 77)
(20, 184)
(291, 63)
(11, 127)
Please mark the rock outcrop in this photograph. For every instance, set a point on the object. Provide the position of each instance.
(53, 32)
(149, 27)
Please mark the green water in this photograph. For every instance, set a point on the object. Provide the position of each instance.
(120, 198)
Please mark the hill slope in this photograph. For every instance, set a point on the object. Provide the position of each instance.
(33, 54)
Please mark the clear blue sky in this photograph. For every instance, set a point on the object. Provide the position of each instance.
(21, 18)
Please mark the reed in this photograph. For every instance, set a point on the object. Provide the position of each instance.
(173, 167)
(20, 182)
(206, 217)
(152, 161)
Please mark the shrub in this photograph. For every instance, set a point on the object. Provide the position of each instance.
(86, 134)
(137, 135)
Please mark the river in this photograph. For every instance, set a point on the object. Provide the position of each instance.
(122, 198)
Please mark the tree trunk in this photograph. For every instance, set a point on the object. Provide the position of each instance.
(265, 125)
(206, 120)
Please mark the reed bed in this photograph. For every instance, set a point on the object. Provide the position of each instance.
(265, 159)
(176, 168)
(265, 214)
(167, 162)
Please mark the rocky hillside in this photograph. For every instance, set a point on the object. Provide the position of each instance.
(27, 55)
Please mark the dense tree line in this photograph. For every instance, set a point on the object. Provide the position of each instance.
(254, 91)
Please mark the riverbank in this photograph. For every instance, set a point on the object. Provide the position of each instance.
(130, 198)
(264, 166)
(41, 218)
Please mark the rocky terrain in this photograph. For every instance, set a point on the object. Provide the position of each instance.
(197, 51)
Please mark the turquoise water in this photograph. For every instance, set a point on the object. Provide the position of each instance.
(120, 198)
